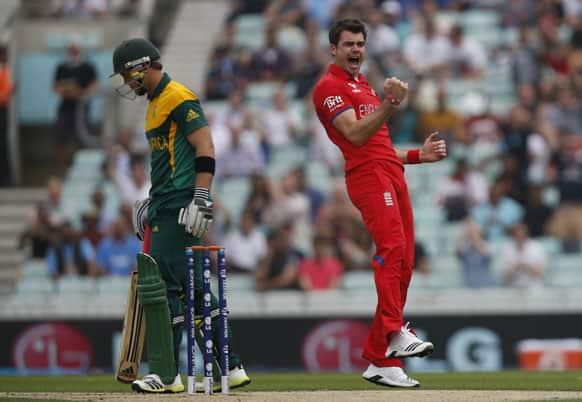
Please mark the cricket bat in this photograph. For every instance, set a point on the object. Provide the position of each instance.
(133, 335)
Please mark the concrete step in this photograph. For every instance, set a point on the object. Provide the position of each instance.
(22, 196)
(9, 242)
(11, 258)
(12, 228)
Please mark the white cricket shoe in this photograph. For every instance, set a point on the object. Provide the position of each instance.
(152, 383)
(237, 377)
(406, 344)
(389, 376)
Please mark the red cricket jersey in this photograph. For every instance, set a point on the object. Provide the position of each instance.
(336, 92)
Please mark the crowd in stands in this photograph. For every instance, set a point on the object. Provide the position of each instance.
(514, 134)
(87, 9)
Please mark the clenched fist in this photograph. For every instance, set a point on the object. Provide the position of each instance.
(395, 90)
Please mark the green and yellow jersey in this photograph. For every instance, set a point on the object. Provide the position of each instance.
(174, 112)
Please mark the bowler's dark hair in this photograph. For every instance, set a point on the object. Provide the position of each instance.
(352, 25)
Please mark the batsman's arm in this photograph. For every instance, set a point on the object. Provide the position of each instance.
(201, 139)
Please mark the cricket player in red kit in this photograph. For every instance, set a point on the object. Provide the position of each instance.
(355, 119)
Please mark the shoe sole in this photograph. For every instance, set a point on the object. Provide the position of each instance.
(240, 385)
(428, 349)
(136, 388)
(374, 380)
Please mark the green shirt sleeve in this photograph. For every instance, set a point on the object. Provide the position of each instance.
(189, 116)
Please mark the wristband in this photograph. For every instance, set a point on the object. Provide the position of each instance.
(413, 156)
(201, 192)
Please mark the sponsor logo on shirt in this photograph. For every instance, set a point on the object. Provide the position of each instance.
(191, 115)
(333, 102)
(355, 88)
(366, 108)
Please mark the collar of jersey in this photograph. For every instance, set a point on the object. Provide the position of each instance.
(162, 84)
(340, 73)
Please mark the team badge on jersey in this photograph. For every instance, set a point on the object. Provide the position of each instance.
(333, 102)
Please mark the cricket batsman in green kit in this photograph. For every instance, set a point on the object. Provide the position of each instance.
(178, 211)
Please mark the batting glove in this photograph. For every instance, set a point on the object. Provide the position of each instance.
(197, 215)
(139, 217)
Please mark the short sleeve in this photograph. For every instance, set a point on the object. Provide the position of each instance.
(330, 100)
(189, 116)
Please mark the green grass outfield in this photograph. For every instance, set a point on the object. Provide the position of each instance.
(282, 381)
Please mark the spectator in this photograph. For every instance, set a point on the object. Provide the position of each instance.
(116, 252)
(69, 253)
(237, 115)
(537, 214)
(421, 259)
(220, 79)
(499, 213)
(463, 190)
(261, 197)
(278, 270)
(475, 256)
(309, 65)
(104, 217)
(468, 58)
(242, 158)
(428, 51)
(272, 63)
(75, 82)
(525, 260)
(246, 245)
(86, 8)
(119, 154)
(353, 243)
(291, 205)
(322, 271)
(37, 233)
(53, 202)
(321, 149)
(90, 227)
(136, 186)
(6, 89)
(382, 40)
(566, 113)
(316, 197)
(444, 120)
(322, 11)
(285, 12)
(526, 69)
(566, 171)
(404, 123)
(280, 123)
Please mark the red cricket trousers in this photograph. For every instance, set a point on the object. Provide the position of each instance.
(378, 189)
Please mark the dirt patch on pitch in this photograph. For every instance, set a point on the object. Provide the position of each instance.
(314, 396)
